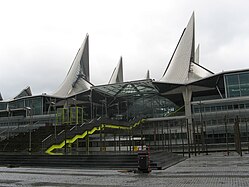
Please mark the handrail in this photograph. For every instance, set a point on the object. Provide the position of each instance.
(61, 132)
(12, 130)
(174, 112)
(72, 127)
(52, 139)
(3, 131)
(47, 138)
(82, 124)
(87, 132)
(91, 121)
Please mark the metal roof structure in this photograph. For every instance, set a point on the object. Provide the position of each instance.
(25, 92)
(117, 75)
(77, 79)
(182, 67)
(124, 89)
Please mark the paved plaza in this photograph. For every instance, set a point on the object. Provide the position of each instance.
(215, 169)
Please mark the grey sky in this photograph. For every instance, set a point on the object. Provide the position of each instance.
(39, 39)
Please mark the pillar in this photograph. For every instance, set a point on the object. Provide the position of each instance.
(187, 95)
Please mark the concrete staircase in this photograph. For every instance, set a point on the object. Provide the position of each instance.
(159, 160)
(20, 142)
(163, 159)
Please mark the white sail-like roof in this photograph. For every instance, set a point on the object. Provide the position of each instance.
(77, 79)
(182, 68)
(117, 75)
(197, 72)
(197, 54)
(25, 92)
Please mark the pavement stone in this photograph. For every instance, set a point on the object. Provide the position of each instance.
(215, 169)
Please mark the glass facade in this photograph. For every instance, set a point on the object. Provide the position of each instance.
(205, 108)
(72, 115)
(35, 103)
(3, 105)
(237, 84)
(153, 106)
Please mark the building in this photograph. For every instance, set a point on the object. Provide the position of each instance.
(190, 107)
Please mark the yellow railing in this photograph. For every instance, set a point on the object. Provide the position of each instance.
(89, 132)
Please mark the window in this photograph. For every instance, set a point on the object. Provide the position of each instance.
(247, 105)
(207, 109)
(241, 106)
(230, 107)
(213, 108)
(236, 106)
(224, 107)
(237, 84)
(3, 106)
(232, 80)
(218, 108)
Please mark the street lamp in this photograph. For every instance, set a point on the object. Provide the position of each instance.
(30, 140)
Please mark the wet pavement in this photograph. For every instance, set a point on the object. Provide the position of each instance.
(215, 169)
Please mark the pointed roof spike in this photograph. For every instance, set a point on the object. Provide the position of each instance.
(25, 92)
(84, 61)
(197, 54)
(117, 75)
(182, 67)
(78, 76)
(179, 65)
(1, 98)
(147, 74)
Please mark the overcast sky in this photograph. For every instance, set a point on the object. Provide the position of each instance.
(39, 39)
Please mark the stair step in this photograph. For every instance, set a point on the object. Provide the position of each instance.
(111, 161)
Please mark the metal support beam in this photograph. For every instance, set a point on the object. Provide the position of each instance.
(182, 140)
(87, 143)
(227, 146)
